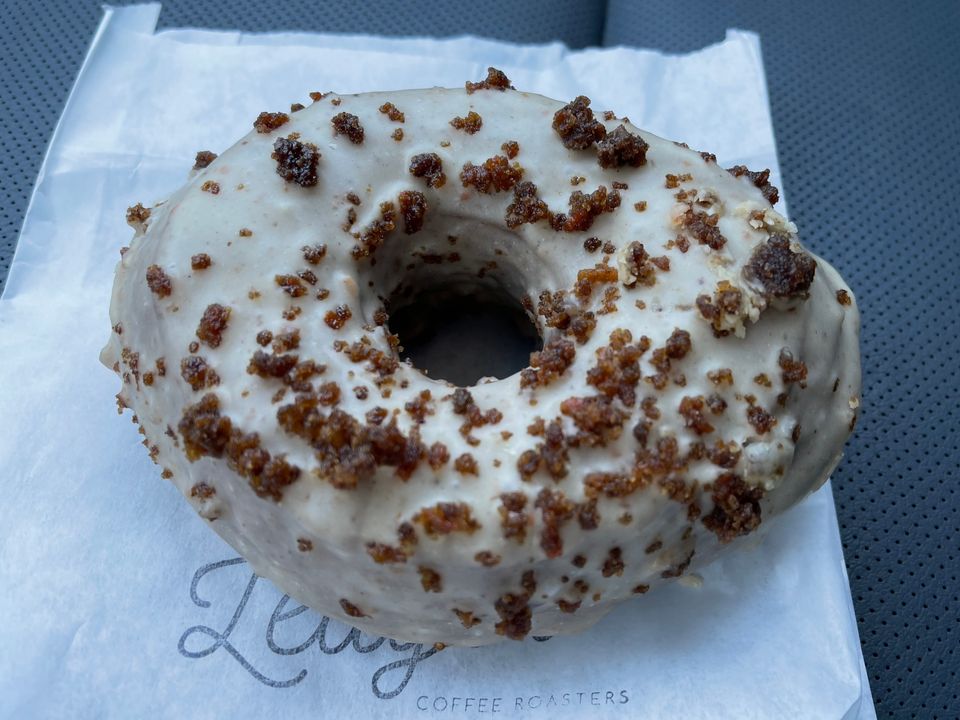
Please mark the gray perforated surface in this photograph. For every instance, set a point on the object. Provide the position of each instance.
(866, 107)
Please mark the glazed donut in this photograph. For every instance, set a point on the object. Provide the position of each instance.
(699, 369)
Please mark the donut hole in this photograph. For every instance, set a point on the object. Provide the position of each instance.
(462, 335)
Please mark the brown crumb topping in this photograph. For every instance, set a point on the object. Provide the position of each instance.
(781, 272)
(313, 254)
(291, 285)
(550, 455)
(266, 365)
(513, 516)
(206, 432)
(726, 301)
(794, 371)
(377, 232)
(511, 148)
(197, 373)
(200, 261)
(203, 159)
(617, 371)
(136, 215)
(469, 124)
(430, 579)
(352, 610)
(736, 508)
(556, 509)
(430, 167)
(267, 122)
(514, 609)
(158, 281)
(397, 134)
(304, 545)
(598, 420)
(576, 126)
(245, 232)
(212, 325)
(495, 80)
(759, 180)
(392, 112)
(620, 148)
(584, 209)
(466, 464)
(843, 297)
(466, 618)
(487, 558)
(296, 161)
(445, 518)
(704, 228)
(527, 207)
(203, 491)
(613, 564)
(548, 364)
(761, 420)
(692, 411)
(384, 554)
(337, 318)
(413, 210)
(346, 124)
(495, 175)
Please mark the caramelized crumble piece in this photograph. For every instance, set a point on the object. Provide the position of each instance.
(245, 232)
(469, 124)
(266, 365)
(736, 508)
(338, 317)
(466, 618)
(638, 266)
(511, 148)
(383, 553)
(397, 134)
(264, 338)
(640, 206)
(760, 419)
(495, 80)
(782, 272)
(376, 233)
(596, 417)
(551, 454)
(430, 579)
(513, 516)
(349, 125)
(555, 509)
(466, 464)
(136, 215)
(487, 558)
(617, 371)
(296, 161)
(211, 187)
(391, 111)
(197, 373)
(759, 179)
(592, 244)
(158, 281)
(613, 565)
(212, 324)
(527, 207)
(843, 297)
(430, 167)
(589, 278)
(352, 610)
(203, 159)
(726, 302)
(201, 261)
(576, 126)
(585, 208)
(203, 491)
(313, 254)
(291, 285)
(568, 606)
(704, 228)
(691, 410)
(514, 610)
(620, 148)
(413, 209)
(438, 455)
(548, 364)
(267, 122)
(296, 107)
(794, 371)
(445, 518)
(286, 341)
(495, 175)
(723, 376)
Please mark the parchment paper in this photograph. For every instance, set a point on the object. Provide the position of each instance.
(117, 601)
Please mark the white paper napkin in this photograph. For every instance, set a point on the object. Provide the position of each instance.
(117, 601)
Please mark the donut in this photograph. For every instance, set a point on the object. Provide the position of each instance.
(698, 372)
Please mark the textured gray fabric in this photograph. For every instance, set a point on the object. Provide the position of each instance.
(866, 108)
